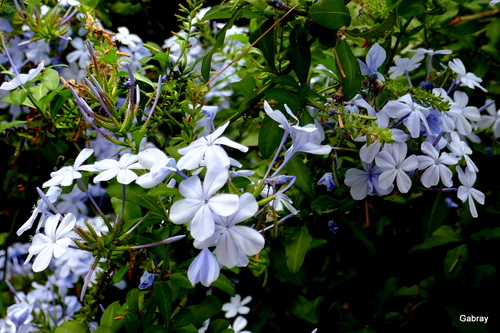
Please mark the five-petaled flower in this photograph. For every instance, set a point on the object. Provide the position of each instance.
(67, 174)
(53, 243)
(200, 203)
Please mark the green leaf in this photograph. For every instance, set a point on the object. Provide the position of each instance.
(206, 64)
(454, 261)
(332, 14)
(323, 202)
(408, 9)
(287, 80)
(15, 123)
(307, 310)
(16, 97)
(297, 243)
(89, 4)
(218, 12)
(184, 318)
(380, 29)
(444, 235)
(482, 272)
(296, 167)
(134, 193)
(244, 87)
(210, 306)
(108, 322)
(118, 276)
(163, 296)
(224, 284)
(486, 233)
(186, 329)
(266, 44)
(360, 234)
(72, 327)
(180, 280)
(351, 78)
(156, 329)
(163, 191)
(132, 300)
(270, 135)
(217, 325)
(50, 78)
(299, 53)
(132, 323)
(285, 96)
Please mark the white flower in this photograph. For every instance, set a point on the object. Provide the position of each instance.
(239, 324)
(52, 195)
(414, 114)
(204, 268)
(200, 204)
(359, 102)
(466, 190)
(236, 306)
(280, 201)
(53, 243)
(208, 149)
(67, 174)
(22, 78)
(121, 169)
(235, 243)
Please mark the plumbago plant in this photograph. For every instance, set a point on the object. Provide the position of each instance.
(278, 150)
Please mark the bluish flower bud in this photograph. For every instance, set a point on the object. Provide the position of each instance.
(450, 203)
(428, 86)
(328, 181)
(127, 84)
(489, 151)
(333, 227)
(147, 280)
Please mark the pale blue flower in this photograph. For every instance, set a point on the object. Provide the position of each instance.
(73, 202)
(492, 120)
(207, 122)
(466, 190)
(205, 268)
(19, 317)
(406, 65)
(208, 149)
(80, 55)
(374, 59)
(395, 165)
(494, 2)
(53, 243)
(126, 38)
(461, 114)
(306, 139)
(435, 166)
(160, 165)
(365, 182)
(359, 102)
(279, 117)
(200, 203)
(414, 114)
(467, 78)
(461, 149)
(234, 243)
(280, 201)
(328, 181)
